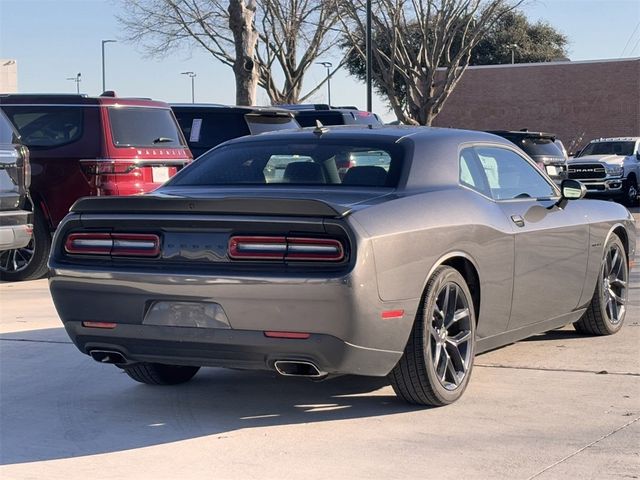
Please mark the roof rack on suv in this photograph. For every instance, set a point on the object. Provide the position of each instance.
(306, 106)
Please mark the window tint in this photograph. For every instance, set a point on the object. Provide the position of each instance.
(308, 119)
(144, 127)
(510, 176)
(207, 130)
(269, 123)
(308, 162)
(44, 126)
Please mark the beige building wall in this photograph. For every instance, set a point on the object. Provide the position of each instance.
(8, 76)
(578, 101)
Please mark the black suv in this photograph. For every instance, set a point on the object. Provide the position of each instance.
(543, 148)
(307, 114)
(15, 205)
(208, 125)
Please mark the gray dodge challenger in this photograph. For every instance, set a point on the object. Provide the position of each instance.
(280, 252)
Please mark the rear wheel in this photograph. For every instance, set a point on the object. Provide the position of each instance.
(30, 262)
(437, 361)
(631, 192)
(606, 312)
(159, 374)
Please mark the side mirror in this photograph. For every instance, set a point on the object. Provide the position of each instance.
(638, 155)
(570, 190)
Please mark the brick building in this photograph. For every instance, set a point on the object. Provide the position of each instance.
(578, 101)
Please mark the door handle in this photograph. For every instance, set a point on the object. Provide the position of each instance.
(518, 220)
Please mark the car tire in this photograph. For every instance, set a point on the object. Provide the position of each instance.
(630, 196)
(437, 361)
(159, 374)
(606, 312)
(30, 262)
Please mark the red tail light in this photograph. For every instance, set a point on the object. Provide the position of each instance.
(114, 244)
(106, 325)
(257, 248)
(108, 167)
(285, 248)
(89, 244)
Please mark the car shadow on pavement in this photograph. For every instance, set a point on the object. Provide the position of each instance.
(57, 403)
(555, 335)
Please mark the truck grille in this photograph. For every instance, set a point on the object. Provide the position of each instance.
(579, 171)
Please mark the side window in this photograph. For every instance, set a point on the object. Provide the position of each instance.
(471, 172)
(47, 126)
(510, 176)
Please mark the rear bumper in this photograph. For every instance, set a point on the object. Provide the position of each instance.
(229, 348)
(342, 314)
(15, 229)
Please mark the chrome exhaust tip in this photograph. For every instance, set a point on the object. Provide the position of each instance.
(108, 356)
(298, 368)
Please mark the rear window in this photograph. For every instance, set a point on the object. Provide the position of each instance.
(336, 117)
(270, 123)
(608, 148)
(144, 127)
(310, 162)
(46, 126)
(207, 130)
(539, 147)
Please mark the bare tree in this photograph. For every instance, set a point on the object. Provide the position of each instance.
(271, 43)
(421, 47)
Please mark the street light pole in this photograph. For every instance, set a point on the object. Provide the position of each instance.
(192, 76)
(328, 66)
(104, 88)
(76, 79)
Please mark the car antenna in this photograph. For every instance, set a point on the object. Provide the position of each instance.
(320, 129)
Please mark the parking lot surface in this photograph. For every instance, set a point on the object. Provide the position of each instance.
(557, 405)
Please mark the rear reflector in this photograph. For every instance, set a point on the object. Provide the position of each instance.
(98, 325)
(116, 244)
(295, 335)
(387, 314)
(285, 248)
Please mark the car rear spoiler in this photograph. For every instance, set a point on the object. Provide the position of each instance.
(226, 206)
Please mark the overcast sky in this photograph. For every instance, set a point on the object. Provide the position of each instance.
(55, 39)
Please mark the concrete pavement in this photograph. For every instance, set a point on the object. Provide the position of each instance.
(557, 405)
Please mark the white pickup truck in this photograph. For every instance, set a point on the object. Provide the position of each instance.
(609, 168)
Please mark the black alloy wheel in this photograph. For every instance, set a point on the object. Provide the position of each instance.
(606, 312)
(437, 361)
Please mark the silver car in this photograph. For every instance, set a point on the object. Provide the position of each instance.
(453, 244)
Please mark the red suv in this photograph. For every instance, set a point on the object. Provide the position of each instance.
(87, 146)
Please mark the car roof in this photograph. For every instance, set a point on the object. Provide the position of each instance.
(75, 99)
(230, 108)
(390, 133)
